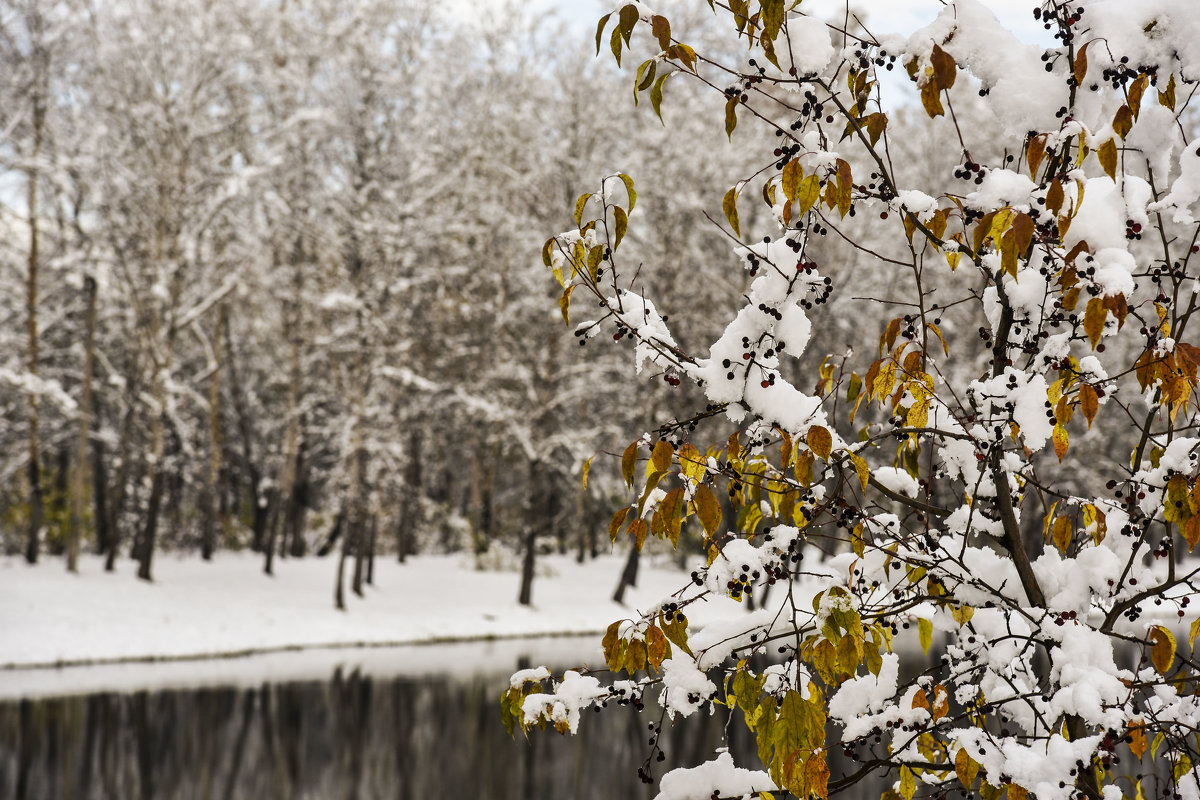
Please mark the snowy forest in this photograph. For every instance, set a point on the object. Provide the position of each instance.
(272, 280)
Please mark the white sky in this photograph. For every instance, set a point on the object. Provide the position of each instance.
(883, 16)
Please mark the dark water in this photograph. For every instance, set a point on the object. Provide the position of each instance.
(348, 735)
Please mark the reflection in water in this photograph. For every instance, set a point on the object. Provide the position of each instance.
(352, 737)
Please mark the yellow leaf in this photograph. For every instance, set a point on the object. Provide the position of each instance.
(808, 194)
(660, 458)
(564, 303)
(966, 768)
(1035, 152)
(579, 204)
(1162, 649)
(908, 783)
(612, 657)
(618, 520)
(793, 174)
(670, 510)
(1137, 740)
(1063, 533)
(692, 464)
(1060, 441)
(1089, 402)
(638, 530)
(621, 223)
(1123, 121)
(587, 467)
(635, 656)
(1136, 90)
(860, 466)
(816, 775)
(1167, 98)
(1191, 531)
(925, 633)
(820, 440)
(729, 206)
(708, 510)
(629, 462)
(931, 95)
(657, 647)
(1107, 153)
(845, 184)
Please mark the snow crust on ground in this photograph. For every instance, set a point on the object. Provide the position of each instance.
(228, 606)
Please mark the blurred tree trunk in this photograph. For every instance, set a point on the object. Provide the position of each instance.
(36, 511)
(121, 482)
(79, 477)
(210, 522)
(410, 502)
(628, 574)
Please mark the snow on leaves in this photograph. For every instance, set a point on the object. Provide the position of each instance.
(897, 499)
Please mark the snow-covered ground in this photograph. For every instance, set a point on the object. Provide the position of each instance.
(228, 607)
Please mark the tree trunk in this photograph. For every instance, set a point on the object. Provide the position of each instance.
(274, 520)
(36, 511)
(79, 477)
(410, 504)
(339, 591)
(209, 520)
(100, 499)
(628, 574)
(146, 542)
(371, 539)
(532, 526)
(297, 509)
(121, 484)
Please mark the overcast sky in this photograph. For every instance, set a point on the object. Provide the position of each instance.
(884, 16)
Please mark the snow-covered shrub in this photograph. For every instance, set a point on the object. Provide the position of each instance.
(920, 489)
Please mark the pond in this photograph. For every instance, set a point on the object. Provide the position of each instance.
(396, 723)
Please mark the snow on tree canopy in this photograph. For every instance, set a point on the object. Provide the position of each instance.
(944, 442)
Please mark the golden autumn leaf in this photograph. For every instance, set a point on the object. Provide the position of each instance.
(820, 440)
(1107, 154)
(618, 520)
(793, 174)
(629, 463)
(708, 509)
(966, 768)
(1162, 648)
(1137, 740)
(1089, 402)
(729, 206)
(1060, 440)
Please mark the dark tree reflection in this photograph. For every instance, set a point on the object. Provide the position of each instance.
(353, 737)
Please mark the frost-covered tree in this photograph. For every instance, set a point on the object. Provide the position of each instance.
(969, 539)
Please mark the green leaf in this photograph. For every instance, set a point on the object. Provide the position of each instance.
(645, 77)
(579, 204)
(656, 96)
(600, 30)
(731, 115)
(628, 181)
(621, 222)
